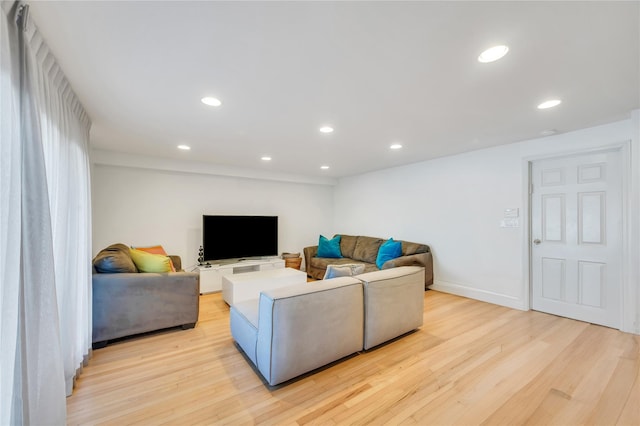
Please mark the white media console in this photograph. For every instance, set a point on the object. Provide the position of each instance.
(211, 276)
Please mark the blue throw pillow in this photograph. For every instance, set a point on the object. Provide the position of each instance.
(329, 247)
(388, 250)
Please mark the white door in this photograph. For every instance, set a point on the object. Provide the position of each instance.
(576, 237)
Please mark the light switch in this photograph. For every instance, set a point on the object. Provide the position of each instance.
(510, 223)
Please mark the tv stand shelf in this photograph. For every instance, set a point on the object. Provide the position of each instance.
(211, 276)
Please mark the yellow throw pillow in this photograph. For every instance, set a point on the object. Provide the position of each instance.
(147, 262)
(156, 250)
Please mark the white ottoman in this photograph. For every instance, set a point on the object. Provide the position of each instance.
(248, 285)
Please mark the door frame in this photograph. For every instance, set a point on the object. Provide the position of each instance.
(627, 307)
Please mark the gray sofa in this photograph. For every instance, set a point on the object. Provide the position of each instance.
(363, 249)
(293, 330)
(128, 303)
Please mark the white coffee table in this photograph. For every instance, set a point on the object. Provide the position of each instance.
(248, 285)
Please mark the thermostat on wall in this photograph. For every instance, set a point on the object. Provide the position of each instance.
(513, 212)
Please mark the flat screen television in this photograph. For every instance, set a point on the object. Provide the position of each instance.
(237, 237)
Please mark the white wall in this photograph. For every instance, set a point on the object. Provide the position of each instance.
(142, 207)
(455, 204)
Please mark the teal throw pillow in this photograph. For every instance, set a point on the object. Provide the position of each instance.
(329, 247)
(388, 250)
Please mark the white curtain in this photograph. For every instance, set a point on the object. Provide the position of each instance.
(65, 129)
(45, 229)
(10, 220)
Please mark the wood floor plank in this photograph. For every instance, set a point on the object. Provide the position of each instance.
(471, 363)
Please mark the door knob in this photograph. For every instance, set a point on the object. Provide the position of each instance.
(536, 241)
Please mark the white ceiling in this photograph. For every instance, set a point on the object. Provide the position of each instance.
(378, 72)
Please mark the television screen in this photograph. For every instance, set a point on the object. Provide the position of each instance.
(236, 237)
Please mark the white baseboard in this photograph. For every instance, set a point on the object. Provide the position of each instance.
(477, 294)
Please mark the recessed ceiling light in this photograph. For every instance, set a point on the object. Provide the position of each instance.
(395, 146)
(265, 158)
(324, 167)
(549, 132)
(493, 54)
(549, 104)
(326, 129)
(184, 147)
(211, 101)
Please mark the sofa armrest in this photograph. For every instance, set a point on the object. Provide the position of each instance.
(410, 260)
(303, 327)
(419, 259)
(393, 303)
(130, 303)
(309, 252)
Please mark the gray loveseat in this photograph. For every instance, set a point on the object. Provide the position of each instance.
(363, 249)
(128, 303)
(293, 330)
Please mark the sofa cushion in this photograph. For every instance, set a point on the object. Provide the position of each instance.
(248, 309)
(345, 270)
(370, 267)
(347, 245)
(366, 249)
(147, 262)
(323, 262)
(243, 319)
(390, 249)
(329, 248)
(114, 259)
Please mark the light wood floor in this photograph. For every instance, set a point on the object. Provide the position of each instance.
(471, 363)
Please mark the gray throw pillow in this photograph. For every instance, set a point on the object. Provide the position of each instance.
(346, 270)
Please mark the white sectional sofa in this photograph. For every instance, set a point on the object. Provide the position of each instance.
(293, 330)
(393, 303)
